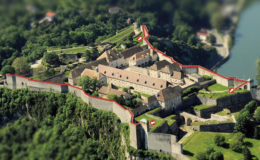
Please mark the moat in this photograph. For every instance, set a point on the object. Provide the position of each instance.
(243, 56)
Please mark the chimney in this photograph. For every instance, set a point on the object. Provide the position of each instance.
(151, 52)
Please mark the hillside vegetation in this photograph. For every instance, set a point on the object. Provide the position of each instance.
(61, 126)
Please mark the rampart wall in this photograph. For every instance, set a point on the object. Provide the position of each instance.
(221, 127)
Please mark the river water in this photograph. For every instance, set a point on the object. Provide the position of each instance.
(243, 56)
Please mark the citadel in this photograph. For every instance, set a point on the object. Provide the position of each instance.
(146, 70)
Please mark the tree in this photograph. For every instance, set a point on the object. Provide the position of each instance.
(112, 97)
(51, 58)
(251, 107)
(212, 39)
(236, 146)
(217, 21)
(7, 69)
(130, 38)
(242, 121)
(128, 103)
(256, 133)
(240, 137)
(247, 154)
(85, 82)
(257, 115)
(120, 100)
(192, 40)
(219, 140)
(216, 156)
(20, 65)
(201, 156)
(125, 89)
(39, 72)
(95, 94)
(212, 7)
(209, 150)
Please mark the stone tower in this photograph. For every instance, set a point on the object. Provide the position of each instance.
(145, 129)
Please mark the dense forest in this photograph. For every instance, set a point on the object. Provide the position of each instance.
(88, 22)
(61, 126)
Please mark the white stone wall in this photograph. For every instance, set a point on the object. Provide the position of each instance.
(117, 63)
(154, 73)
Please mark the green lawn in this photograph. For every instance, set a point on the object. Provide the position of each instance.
(67, 73)
(129, 107)
(158, 123)
(170, 119)
(200, 107)
(236, 114)
(221, 95)
(224, 112)
(143, 94)
(211, 122)
(74, 50)
(205, 139)
(218, 87)
(120, 35)
(135, 38)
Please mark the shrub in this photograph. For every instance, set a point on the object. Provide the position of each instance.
(95, 94)
(201, 156)
(190, 90)
(206, 77)
(240, 137)
(247, 154)
(219, 140)
(216, 156)
(209, 150)
(236, 146)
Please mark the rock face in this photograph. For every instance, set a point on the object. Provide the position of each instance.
(5, 120)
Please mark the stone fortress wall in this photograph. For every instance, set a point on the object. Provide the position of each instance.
(156, 141)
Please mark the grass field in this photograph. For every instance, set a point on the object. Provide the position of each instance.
(205, 139)
(217, 87)
(120, 35)
(236, 114)
(143, 94)
(158, 123)
(223, 113)
(221, 95)
(200, 107)
(74, 50)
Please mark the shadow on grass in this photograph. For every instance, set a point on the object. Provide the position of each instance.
(185, 152)
(225, 145)
(248, 144)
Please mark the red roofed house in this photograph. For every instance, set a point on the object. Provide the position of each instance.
(50, 16)
(202, 35)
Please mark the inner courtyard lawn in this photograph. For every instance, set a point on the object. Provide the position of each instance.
(201, 140)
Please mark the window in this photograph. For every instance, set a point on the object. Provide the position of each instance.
(145, 82)
(126, 77)
(161, 86)
(112, 74)
(153, 84)
(105, 72)
(137, 80)
(120, 76)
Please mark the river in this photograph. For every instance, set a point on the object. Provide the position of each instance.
(243, 56)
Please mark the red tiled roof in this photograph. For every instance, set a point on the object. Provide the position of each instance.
(50, 14)
(202, 34)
